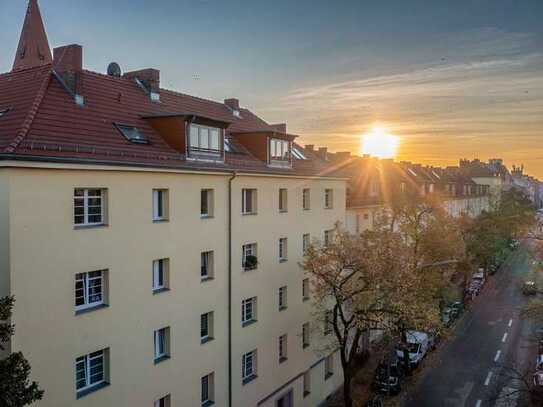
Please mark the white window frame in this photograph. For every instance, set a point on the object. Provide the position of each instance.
(84, 199)
(160, 266)
(282, 298)
(248, 310)
(306, 199)
(249, 249)
(306, 335)
(328, 198)
(328, 236)
(283, 348)
(209, 196)
(279, 150)
(208, 326)
(86, 280)
(161, 339)
(283, 249)
(207, 262)
(247, 373)
(207, 395)
(204, 136)
(306, 242)
(86, 360)
(160, 204)
(249, 195)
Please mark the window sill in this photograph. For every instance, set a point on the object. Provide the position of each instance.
(160, 290)
(248, 379)
(304, 299)
(97, 226)
(208, 403)
(283, 359)
(247, 323)
(206, 340)
(161, 220)
(305, 346)
(206, 216)
(161, 359)
(249, 268)
(90, 309)
(96, 387)
(306, 209)
(283, 260)
(283, 211)
(284, 307)
(328, 375)
(306, 393)
(208, 278)
(249, 213)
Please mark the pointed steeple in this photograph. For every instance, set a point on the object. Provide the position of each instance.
(33, 49)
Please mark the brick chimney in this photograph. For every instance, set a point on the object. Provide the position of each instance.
(280, 127)
(342, 156)
(68, 65)
(148, 79)
(310, 147)
(323, 153)
(232, 103)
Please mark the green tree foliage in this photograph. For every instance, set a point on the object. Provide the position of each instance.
(16, 390)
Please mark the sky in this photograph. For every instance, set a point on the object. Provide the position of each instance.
(453, 79)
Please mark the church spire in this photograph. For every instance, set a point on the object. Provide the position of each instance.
(33, 49)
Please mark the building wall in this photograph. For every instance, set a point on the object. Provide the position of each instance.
(45, 253)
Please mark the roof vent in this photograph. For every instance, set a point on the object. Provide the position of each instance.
(113, 69)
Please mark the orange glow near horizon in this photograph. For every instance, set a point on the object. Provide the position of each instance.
(379, 143)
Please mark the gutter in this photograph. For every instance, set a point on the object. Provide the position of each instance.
(234, 175)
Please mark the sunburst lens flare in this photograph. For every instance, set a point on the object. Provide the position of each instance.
(379, 143)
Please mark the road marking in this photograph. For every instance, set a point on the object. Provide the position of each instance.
(510, 323)
(488, 377)
(498, 353)
(478, 403)
(504, 337)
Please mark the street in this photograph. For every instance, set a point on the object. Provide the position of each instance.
(490, 344)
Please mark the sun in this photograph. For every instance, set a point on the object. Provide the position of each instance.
(379, 143)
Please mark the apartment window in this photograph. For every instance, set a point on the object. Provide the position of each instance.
(162, 344)
(249, 259)
(204, 139)
(248, 366)
(306, 241)
(90, 290)
(306, 199)
(160, 275)
(160, 205)
(305, 335)
(328, 198)
(89, 206)
(208, 390)
(282, 298)
(163, 401)
(283, 342)
(307, 383)
(206, 265)
(248, 311)
(206, 203)
(248, 198)
(283, 200)
(305, 289)
(91, 372)
(328, 322)
(283, 244)
(328, 366)
(279, 149)
(403, 187)
(206, 327)
(328, 234)
(431, 188)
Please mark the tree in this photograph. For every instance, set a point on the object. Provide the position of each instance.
(16, 390)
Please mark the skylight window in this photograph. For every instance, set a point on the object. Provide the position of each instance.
(5, 111)
(297, 153)
(132, 133)
(412, 172)
(229, 147)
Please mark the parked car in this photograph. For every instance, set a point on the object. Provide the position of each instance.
(529, 288)
(388, 376)
(416, 346)
(451, 312)
(458, 307)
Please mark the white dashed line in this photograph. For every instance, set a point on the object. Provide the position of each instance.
(504, 337)
(488, 377)
(510, 323)
(478, 403)
(498, 353)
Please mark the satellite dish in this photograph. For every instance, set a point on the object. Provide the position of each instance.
(114, 69)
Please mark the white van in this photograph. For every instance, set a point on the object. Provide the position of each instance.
(418, 344)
